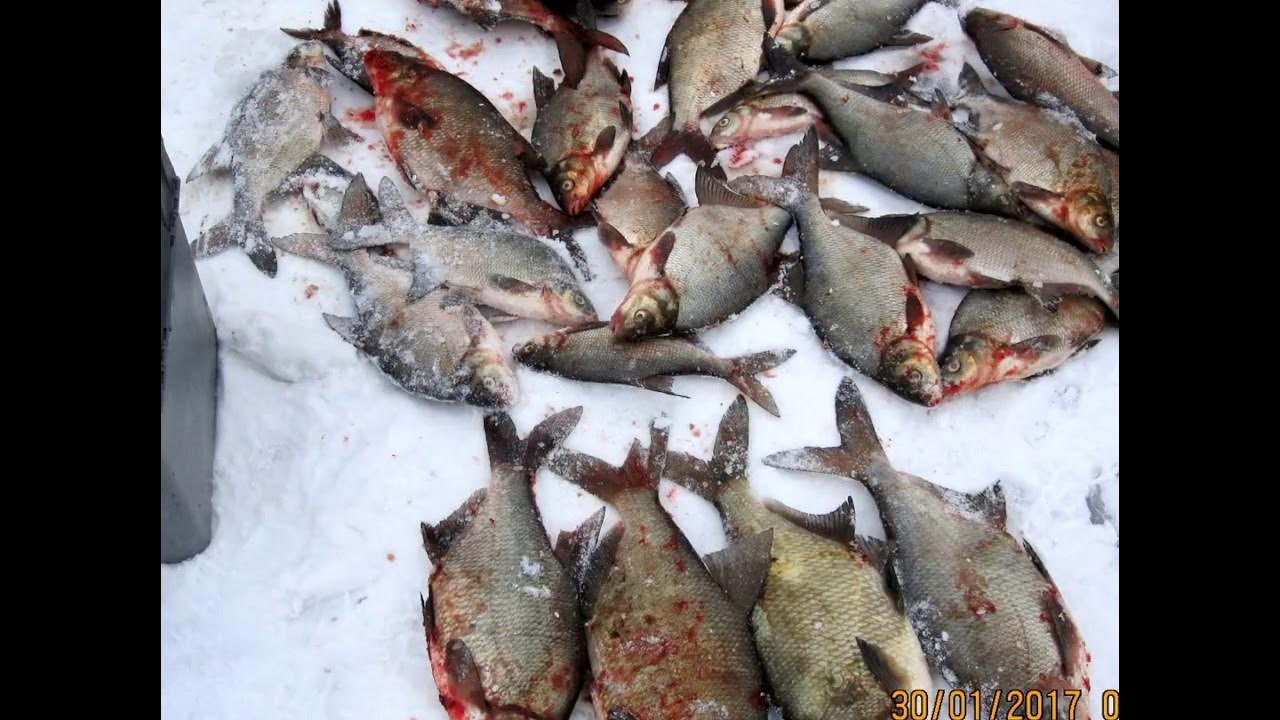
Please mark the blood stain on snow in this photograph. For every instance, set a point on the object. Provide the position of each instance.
(391, 557)
(410, 25)
(932, 56)
(310, 291)
(464, 52)
(364, 116)
(694, 429)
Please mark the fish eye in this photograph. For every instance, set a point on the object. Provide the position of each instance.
(579, 299)
(490, 384)
(913, 375)
(724, 122)
(566, 185)
(953, 365)
(641, 316)
(1101, 221)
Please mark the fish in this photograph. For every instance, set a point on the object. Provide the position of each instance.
(448, 138)
(775, 115)
(634, 209)
(274, 133)
(988, 615)
(983, 251)
(590, 353)
(484, 260)
(665, 640)
(503, 629)
(829, 625)
(1001, 335)
(1058, 172)
(712, 50)
(572, 39)
(582, 132)
(711, 263)
(858, 295)
(438, 346)
(1113, 164)
(913, 152)
(349, 50)
(1036, 65)
(825, 30)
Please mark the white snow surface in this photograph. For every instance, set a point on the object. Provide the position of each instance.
(305, 605)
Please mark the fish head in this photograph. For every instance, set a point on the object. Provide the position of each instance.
(387, 69)
(749, 121)
(567, 305)
(794, 39)
(538, 352)
(733, 127)
(575, 180)
(981, 21)
(963, 365)
(649, 309)
(307, 54)
(490, 383)
(1089, 218)
(909, 369)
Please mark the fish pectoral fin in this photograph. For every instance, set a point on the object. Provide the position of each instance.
(1038, 198)
(835, 208)
(359, 206)
(892, 584)
(495, 316)
(605, 140)
(661, 384)
(835, 525)
(437, 538)
(464, 674)
(905, 37)
(885, 670)
(590, 571)
(971, 84)
(1050, 294)
(426, 278)
(574, 548)
(1033, 348)
(347, 328)
(742, 568)
(217, 159)
(512, 285)
(988, 505)
(543, 88)
(335, 131)
(946, 250)
(711, 190)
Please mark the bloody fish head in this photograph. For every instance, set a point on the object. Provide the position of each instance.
(491, 383)
(307, 54)
(568, 306)
(1089, 219)
(387, 69)
(981, 20)
(748, 122)
(732, 128)
(909, 369)
(649, 309)
(575, 181)
(537, 352)
(964, 365)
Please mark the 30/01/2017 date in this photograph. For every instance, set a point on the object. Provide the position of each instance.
(1003, 705)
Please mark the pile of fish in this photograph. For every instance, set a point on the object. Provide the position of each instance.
(800, 611)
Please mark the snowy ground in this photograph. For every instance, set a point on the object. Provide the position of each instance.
(306, 603)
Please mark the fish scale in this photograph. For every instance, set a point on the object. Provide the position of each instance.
(713, 49)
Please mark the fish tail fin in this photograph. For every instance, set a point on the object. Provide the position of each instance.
(683, 141)
(332, 26)
(506, 447)
(802, 162)
(728, 459)
(859, 453)
(313, 246)
(572, 42)
(743, 371)
(639, 470)
(236, 231)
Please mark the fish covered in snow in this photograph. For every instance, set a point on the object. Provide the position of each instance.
(275, 132)
(713, 49)
(665, 640)
(503, 629)
(856, 291)
(989, 616)
(488, 262)
(1036, 64)
(711, 263)
(982, 251)
(591, 353)
(449, 139)
(829, 625)
(438, 346)
(635, 208)
(1058, 172)
(1001, 335)
(775, 115)
(572, 39)
(349, 50)
(824, 30)
(582, 132)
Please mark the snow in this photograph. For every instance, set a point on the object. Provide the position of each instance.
(305, 605)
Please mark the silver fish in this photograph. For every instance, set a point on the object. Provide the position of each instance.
(349, 50)
(591, 353)
(275, 132)
(988, 615)
(635, 208)
(826, 30)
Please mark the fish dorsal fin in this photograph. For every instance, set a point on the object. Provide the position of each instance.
(605, 140)
(606, 481)
(886, 228)
(348, 329)
(395, 214)
(359, 207)
(987, 506)
(694, 474)
(574, 548)
(836, 209)
(437, 539)
(836, 525)
(711, 190)
(543, 88)
(886, 671)
(742, 568)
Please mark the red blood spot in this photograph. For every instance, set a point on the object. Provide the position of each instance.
(671, 494)
(310, 291)
(492, 521)
(373, 146)
(344, 438)
(498, 40)
(410, 25)
(657, 106)
(777, 161)
(391, 557)
(758, 700)
(974, 587)
(644, 535)
(365, 116)
(560, 680)
(682, 605)
(932, 56)
(522, 105)
(693, 429)
(1088, 657)
(557, 71)
(649, 619)
(508, 95)
(1087, 684)
(680, 565)
(464, 52)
